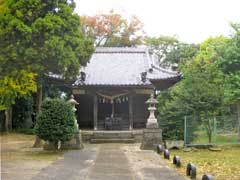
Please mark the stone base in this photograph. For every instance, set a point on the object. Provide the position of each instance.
(150, 125)
(74, 143)
(151, 137)
(49, 147)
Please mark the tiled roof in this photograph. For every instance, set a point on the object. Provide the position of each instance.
(121, 67)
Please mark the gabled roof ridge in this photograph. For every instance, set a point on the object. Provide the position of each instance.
(149, 62)
(120, 50)
(165, 70)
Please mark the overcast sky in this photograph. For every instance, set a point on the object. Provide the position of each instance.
(191, 20)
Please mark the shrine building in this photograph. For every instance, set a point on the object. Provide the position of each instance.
(113, 87)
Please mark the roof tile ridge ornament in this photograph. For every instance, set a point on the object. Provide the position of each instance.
(154, 66)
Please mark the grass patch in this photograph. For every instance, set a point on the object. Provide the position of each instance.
(31, 156)
(16, 146)
(222, 165)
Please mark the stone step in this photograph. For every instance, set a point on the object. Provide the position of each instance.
(98, 141)
(112, 135)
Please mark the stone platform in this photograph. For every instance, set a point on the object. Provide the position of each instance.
(116, 136)
(151, 137)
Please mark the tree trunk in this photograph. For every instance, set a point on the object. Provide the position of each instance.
(209, 131)
(39, 99)
(210, 138)
(8, 119)
(238, 117)
(38, 141)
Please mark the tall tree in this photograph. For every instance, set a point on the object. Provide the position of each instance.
(113, 29)
(199, 93)
(43, 36)
(15, 81)
(230, 65)
(183, 52)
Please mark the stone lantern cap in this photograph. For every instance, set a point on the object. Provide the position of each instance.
(151, 100)
(72, 100)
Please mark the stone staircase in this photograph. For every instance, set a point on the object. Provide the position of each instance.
(112, 137)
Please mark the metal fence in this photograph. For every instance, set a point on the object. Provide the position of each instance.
(218, 130)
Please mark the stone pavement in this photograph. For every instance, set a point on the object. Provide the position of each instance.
(109, 162)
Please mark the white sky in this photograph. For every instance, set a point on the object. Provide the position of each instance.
(191, 20)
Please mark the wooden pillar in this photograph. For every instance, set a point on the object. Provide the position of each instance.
(130, 102)
(113, 110)
(95, 111)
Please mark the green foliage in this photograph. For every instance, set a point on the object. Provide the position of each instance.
(183, 52)
(170, 116)
(37, 38)
(199, 93)
(230, 65)
(56, 121)
(202, 87)
(14, 85)
(170, 50)
(162, 46)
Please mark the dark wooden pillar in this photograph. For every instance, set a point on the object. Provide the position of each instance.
(113, 110)
(95, 111)
(130, 111)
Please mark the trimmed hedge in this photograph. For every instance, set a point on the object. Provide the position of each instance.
(56, 121)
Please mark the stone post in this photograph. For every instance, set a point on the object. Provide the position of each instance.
(152, 135)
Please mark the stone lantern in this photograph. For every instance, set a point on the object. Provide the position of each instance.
(76, 141)
(73, 102)
(152, 121)
(152, 135)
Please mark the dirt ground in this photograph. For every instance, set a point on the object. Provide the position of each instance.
(18, 158)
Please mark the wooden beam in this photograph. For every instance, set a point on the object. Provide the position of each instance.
(130, 102)
(95, 111)
(144, 91)
(79, 91)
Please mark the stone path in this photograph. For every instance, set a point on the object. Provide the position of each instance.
(148, 165)
(109, 162)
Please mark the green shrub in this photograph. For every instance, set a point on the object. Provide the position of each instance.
(56, 122)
